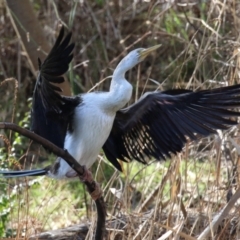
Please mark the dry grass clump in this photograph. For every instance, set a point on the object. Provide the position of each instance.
(176, 199)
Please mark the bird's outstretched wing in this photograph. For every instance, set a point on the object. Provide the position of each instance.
(50, 111)
(160, 122)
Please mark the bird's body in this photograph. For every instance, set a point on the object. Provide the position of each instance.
(158, 124)
(93, 120)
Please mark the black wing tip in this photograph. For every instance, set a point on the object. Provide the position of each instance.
(59, 37)
(62, 42)
(61, 32)
(39, 63)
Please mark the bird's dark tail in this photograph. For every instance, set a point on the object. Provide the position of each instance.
(25, 173)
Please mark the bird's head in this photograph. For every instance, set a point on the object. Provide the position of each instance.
(134, 57)
(144, 52)
(139, 54)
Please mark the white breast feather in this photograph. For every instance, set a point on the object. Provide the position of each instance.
(92, 126)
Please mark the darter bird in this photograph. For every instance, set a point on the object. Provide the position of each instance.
(158, 124)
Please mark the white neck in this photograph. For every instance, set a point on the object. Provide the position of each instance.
(120, 89)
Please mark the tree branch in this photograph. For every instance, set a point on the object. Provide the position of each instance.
(92, 186)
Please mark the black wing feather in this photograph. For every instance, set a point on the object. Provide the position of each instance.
(160, 122)
(51, 112)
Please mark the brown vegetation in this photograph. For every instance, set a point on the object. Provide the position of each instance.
(200, 49)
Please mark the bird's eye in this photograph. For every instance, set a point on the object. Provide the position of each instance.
(139, 53)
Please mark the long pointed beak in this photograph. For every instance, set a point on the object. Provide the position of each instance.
(144, 53)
